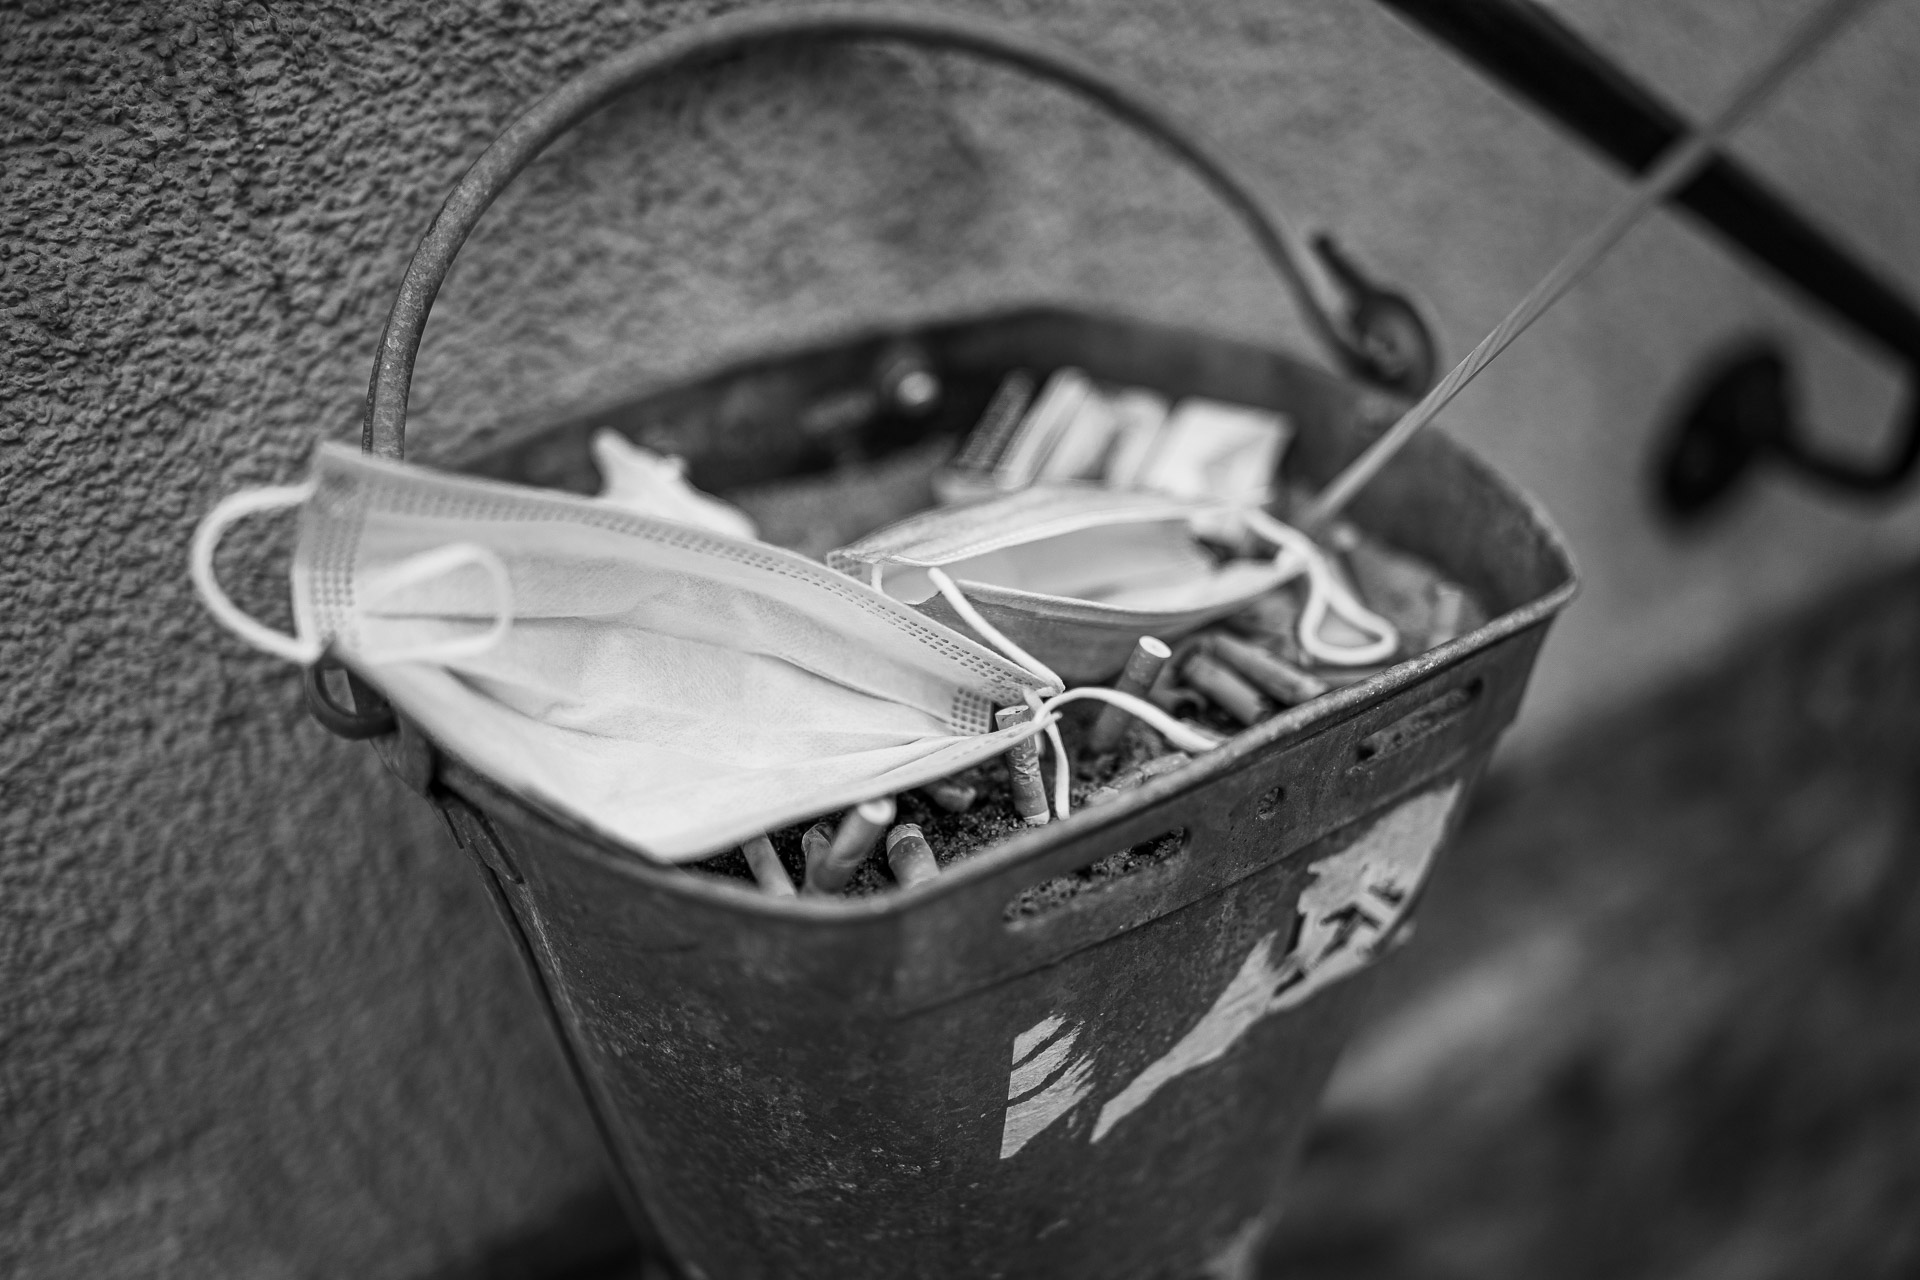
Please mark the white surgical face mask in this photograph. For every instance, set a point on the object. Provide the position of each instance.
(1076, 575)
(677, 689)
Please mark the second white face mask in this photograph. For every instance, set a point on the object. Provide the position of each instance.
(677, 689)
(1076, 575)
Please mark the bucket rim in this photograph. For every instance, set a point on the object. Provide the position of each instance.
(1291, 724)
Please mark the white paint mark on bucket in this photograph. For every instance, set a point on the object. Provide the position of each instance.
(1028, 1113)
(1034, 1072)
(1356, 898)
(1247, 999)
(1035, 1036)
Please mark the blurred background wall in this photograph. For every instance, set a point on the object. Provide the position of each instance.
(254, 1016)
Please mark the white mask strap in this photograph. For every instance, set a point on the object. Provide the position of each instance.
(305, 650)
(428, 565)
(1186, 737)
(1326, 594)
(992, 634)
(301, 649)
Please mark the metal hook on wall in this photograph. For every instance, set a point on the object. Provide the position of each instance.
(1742, 414)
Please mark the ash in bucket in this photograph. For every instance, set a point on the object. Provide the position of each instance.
(1238, 669)
(644, 662)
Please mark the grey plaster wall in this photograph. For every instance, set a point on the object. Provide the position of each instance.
(254, 1018)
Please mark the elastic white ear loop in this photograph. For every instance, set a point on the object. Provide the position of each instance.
(1185, 737)
(303, 650)
(1326, 594)
(992, 634)
(432, 564)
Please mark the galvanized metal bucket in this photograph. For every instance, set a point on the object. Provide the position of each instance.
(931, 1083)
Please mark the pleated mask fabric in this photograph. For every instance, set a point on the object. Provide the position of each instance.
(672, 687)
(1074, 575)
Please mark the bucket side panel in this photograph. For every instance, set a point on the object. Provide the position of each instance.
(1128, 1112)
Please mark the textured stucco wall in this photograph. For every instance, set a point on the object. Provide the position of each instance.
(254, 1017)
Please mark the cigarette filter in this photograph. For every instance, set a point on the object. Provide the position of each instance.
(1023, 769)
(1224, 688)
(954, 797)
(910, 856)
(859, 831)
(1449, 613)
(766, 867)
(1276, 677)
(1143, 667)
(816, 844)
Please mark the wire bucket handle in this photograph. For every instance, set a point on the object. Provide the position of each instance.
(1379, 338)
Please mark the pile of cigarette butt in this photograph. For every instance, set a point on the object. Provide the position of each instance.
(1227, 678)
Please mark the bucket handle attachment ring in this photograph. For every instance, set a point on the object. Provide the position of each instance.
(354, 725)
(1325, 288)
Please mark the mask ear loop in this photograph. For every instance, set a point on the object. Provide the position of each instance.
(303, 650)
(1326, 594)
(992, 634)
(1184, 737)
(429, 565)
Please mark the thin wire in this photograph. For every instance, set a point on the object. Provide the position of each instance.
(992, 634)
(1675, 167)
(1187, 737)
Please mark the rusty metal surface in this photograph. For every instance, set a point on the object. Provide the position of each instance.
(837, 1086)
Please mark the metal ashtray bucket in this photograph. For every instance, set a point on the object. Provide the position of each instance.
(929, 1083)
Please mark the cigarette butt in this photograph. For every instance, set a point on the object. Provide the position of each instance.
(910, 856)
(858, 832)
(1449, 611)
(1224, 688)
(1144, 665)
(766, 867)
(954, 797)
(1276, 677)
(1139, 775)
(1023, 769)
(817, 843)
(1168, 694)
